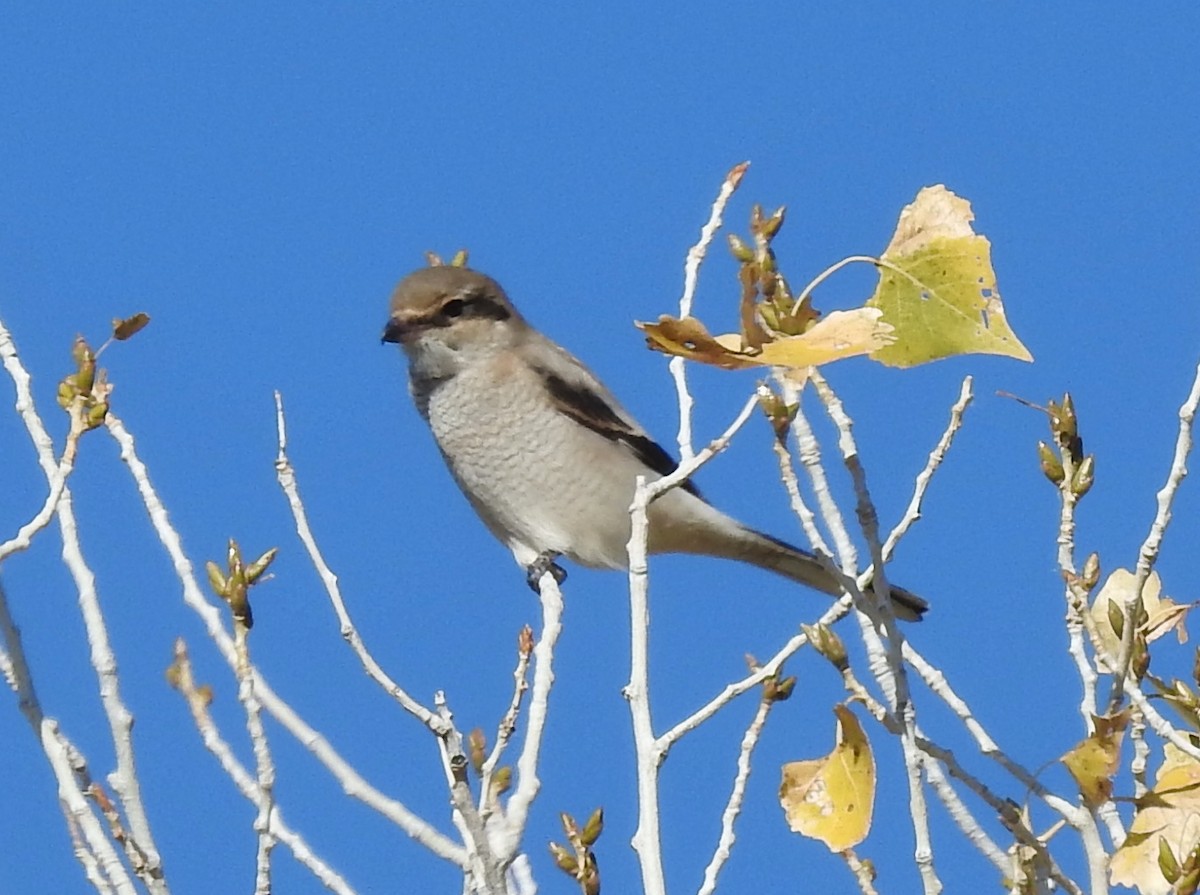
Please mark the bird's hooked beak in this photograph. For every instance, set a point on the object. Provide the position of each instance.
(396, 329)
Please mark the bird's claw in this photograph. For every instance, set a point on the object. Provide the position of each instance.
(540, 566)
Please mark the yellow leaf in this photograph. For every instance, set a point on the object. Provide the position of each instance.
(937, 286)
(1169, 812)
(838, 335)
(1094, 760)
(831, 798)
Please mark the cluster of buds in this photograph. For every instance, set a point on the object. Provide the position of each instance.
(233, 584)
(776, 687)
(768, 309)
(458, 259)
(1067, 452)
(477, 753)
(86, 391)
(578, 861)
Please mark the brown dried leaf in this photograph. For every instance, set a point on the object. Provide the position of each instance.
(839, 335)
(130, 326)
(688, 338)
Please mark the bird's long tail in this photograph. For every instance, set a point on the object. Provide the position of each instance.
(799, 565)
(709, 531)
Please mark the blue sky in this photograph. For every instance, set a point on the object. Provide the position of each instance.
(257, 180)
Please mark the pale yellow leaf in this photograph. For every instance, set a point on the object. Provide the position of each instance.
(832, 798)
(1163, 613)
(1171, 812)
(838, 335)
(937, 286)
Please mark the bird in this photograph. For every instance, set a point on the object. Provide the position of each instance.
(544, 453)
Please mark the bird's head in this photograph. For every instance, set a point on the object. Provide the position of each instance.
(449, 314)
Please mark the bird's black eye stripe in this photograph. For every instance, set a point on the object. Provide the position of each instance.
(474, 304)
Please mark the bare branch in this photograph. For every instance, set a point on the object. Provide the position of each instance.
(647, 840)
(286, 476)
(183, 679)
(92, 847)
(1148, 554)
(124, 780)
(508, 723)
(733, 806)
(925, 476)
(485, 871)
(528, 783)
(691, 272)
(350, 780)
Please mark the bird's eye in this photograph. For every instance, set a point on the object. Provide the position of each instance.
(454, 308)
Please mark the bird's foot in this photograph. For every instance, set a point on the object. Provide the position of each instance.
(540, 566)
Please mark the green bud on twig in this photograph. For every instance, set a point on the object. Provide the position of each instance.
(593, 828)
(1051, 466)
(1085, 476)
(740, 250)
(828, 644)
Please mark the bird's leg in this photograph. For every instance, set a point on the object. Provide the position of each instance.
(540, 566)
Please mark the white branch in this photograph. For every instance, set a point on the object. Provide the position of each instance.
(691, 272)
(286, 476)
(350, 780)
(124, 779)
(925, 476)
(647, 840)
(528, 783)
(881, 634)
(246, 784)
(733, 806)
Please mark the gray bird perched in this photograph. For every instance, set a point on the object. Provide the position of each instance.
(543, 451)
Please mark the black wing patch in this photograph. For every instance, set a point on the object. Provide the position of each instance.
(591, 410)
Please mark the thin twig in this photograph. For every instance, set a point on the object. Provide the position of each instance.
(691, 273)
(528, 782)
(733, 806)
(1068, 500)
(731, 691)
(92, 847)
(1148, 554)
(508, 724)
(124, 779)
(264, 764)
(925, 476)
(58, 483)
(937, 682)
(1005, 810)
(183, 678)
(484, 872)
(286, 475)
(884, 653)
(352, 783)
